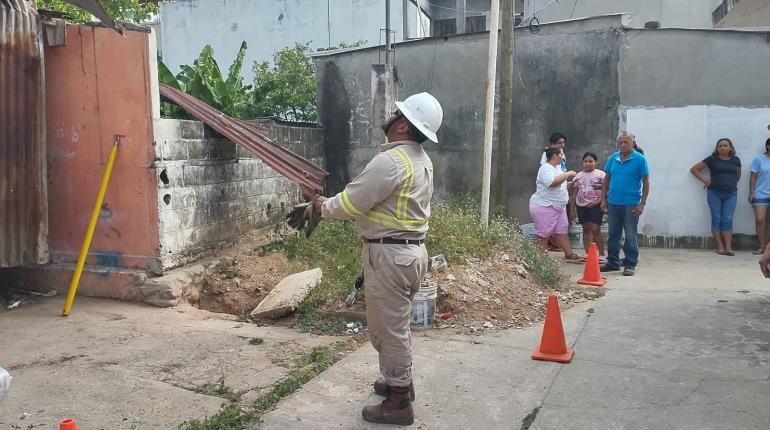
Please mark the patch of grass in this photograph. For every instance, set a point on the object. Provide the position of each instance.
(230, 417)
(335, 247)
(238, 417)
(306, 368)
(256, 341)
(218, 389)
(547, 271)
(455, 231)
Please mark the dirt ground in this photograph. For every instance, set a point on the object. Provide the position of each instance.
(473, 296)
(237, 287)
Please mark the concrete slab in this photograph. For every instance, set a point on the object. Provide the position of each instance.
(116, 365)
(166, 291)
(95, 281)
(462, 382)
(683, 344)
(287, 295)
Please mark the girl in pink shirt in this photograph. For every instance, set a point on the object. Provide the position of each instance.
(585, 204)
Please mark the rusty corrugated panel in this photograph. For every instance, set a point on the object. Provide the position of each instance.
(23, 213)
(252, 137)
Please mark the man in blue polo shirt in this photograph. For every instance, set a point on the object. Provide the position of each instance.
(624, 196)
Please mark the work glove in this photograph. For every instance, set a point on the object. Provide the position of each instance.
(302, 216)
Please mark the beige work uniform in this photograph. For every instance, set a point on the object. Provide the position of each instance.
(390, 198)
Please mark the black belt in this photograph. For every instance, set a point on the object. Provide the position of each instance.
(392, 241)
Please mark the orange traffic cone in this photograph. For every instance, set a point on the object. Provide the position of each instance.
(68, 424)
(591, 274)
(552, 346)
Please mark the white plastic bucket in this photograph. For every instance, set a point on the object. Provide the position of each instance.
(528, 230)
(575, 234)
(424, 305)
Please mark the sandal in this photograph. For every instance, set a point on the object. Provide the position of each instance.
(757, 252)
(572, 258)
(729, 253)
(721, 252)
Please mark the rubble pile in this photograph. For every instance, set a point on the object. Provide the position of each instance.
(479, 295)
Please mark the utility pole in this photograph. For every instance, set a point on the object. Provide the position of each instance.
(489, 112)
(504, 124)
(388, 59)
(460, 17)
(405, 20)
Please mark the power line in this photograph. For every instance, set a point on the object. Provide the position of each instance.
(573, 9)
(328, 23)
(451, 8)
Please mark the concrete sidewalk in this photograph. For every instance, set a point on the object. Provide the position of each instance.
(118, 366)
(685, 344)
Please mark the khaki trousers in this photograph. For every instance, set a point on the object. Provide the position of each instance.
(392, 275)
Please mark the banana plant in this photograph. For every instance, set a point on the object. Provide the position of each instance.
(204, 81)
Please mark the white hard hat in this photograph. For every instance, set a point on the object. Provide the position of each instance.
(424, 112)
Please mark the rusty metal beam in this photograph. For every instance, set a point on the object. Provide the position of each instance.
(253, 137)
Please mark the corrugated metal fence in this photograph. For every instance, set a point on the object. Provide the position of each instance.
(23, 213)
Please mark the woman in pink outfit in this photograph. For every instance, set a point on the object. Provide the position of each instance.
(548, 206)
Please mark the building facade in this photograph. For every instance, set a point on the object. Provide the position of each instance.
(588, 78)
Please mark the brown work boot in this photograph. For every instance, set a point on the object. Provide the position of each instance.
(381, 388)
(396, 409)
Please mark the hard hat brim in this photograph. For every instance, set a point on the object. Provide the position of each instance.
(411, 118)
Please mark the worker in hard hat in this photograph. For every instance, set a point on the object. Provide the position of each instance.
(390, 201)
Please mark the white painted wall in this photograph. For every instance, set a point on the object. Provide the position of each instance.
(670, 13)
(268, 26)
(674, 139)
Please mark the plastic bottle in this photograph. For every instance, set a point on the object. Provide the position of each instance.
(5, 382)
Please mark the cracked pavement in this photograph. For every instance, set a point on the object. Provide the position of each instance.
(115, 365)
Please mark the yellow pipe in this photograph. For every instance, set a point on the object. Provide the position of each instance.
(91, 227)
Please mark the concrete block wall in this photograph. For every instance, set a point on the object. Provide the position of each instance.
(211, 192)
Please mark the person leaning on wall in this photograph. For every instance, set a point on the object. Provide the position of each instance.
(721, 191)
(759, 195)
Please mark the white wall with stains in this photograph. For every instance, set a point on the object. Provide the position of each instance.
(674, 139)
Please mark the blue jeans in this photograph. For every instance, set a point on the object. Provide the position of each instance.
(722, 206)
(622, 221)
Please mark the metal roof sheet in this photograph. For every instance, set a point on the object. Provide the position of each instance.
(253, 137)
